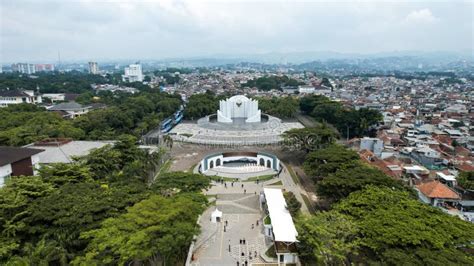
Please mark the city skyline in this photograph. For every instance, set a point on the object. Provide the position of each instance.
(87, 30)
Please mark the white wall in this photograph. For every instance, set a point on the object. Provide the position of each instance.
(5, 171)
(35, 159)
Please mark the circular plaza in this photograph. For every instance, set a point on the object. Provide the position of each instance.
(240, 165)
(237, 122)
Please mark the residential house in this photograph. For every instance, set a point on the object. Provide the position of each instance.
(9, 97)
(16, 161)
(437, 194)
(70, 109)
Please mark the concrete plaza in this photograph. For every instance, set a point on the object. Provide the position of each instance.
(219, 246)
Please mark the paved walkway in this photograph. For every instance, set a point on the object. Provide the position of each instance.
(239, 204)
(290, 185)
(218, 246)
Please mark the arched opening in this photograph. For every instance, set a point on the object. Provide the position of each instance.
(269, 164)
(211, 165)
(262, 162)
(218, 162)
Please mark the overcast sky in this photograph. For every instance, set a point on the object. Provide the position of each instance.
(99, 30)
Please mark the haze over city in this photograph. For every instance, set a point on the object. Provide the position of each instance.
(236, 132)
(104, 30)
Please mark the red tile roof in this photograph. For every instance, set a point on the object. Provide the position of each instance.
(436, 189)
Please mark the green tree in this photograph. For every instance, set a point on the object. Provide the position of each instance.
(175, 182)
(154, 230)
(292, 203)
(353, 177)
(395, 228)
(321, 163)
(327, 238)
(466, 180)
(282, 107)
(310, 138)
(16, 198)
(61, 173)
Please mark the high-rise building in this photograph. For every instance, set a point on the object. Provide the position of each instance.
(133, 73)
(93, 68)
(24, 68)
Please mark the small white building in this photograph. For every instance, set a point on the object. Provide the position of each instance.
(10, 97)
(55, 97)
(306, 89)
(133, 73)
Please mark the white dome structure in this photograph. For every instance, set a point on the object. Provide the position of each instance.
(238, 107)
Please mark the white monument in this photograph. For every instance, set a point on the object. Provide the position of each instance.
(240, 108)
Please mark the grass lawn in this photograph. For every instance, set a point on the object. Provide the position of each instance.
(271, 252)
(260, 178)
(293, 174)
(278, 183)
(251, 179)
(267, 220)
(308, 203)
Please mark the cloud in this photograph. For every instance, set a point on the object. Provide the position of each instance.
(125, 29)
(423, 16)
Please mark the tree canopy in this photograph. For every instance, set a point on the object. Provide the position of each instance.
(353, 177)
(282, 107)
(267, 83)
(42, 218)
(310, 138)
(349, 122)
(200, 105)
(388, 226)
(322, 162)
(466, 180)
(155, 229)
(135, 115)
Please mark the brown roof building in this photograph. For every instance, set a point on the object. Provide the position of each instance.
(16, 161)
(436, 193)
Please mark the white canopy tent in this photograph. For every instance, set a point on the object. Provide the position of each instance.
(216, 216)
(282, 224)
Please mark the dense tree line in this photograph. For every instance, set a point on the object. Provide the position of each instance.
(282, 107)
(310, 138)
(348, 121)
(55, 82)
(200, 105)
(103, 209)
(374, 219)
(267, 83)
(126, 114)
(25, 123)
